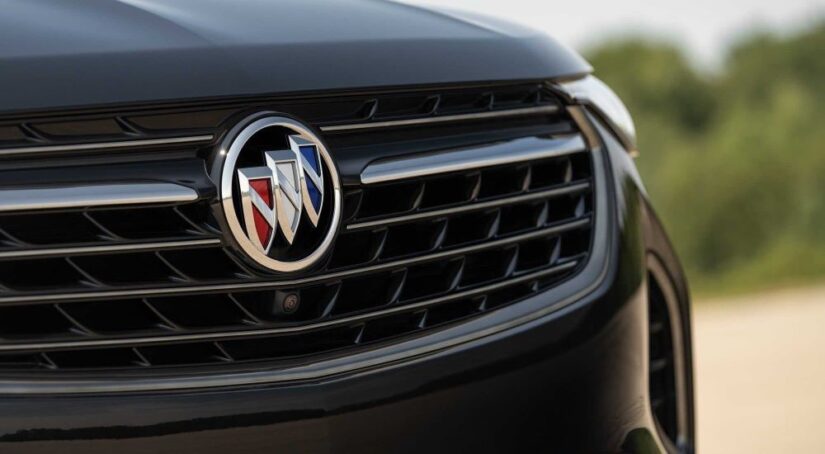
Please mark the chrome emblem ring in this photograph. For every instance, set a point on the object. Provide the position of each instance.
(280, 194)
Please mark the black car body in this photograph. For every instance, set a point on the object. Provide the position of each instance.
(496, 280)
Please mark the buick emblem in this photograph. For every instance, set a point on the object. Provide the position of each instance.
(280, 196)
(274, 196)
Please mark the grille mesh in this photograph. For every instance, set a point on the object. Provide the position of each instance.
(150, 287)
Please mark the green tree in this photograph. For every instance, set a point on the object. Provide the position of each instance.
(735, 162)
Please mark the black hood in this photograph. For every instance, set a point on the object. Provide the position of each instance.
(65, 53)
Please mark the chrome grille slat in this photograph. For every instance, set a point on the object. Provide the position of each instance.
(442, 119)
(67, 197)
(512, 152)
(475, 206)
(286, 283)
(229, 334)
(102, 146)
(106, 248)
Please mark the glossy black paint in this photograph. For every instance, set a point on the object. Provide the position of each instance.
(574, 381)
(63, 53)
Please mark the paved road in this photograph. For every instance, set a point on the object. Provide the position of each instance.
(760, 371)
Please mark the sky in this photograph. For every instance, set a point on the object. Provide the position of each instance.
(706, 28)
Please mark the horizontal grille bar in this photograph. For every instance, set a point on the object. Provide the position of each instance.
(122, 144)
(515, 151)
(224, 335)
(550, 109)
(129, 247)
(428, 214)
(63, 197)
(145, 292)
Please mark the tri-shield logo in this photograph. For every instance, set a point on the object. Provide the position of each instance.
(275, 196)
(280, 194)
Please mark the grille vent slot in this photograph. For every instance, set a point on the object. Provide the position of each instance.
(662, 362)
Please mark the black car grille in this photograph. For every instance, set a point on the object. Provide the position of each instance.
(151, 286)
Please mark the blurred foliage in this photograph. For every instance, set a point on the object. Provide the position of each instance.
(734, 161)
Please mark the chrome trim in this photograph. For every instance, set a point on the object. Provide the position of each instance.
(677, 323)
(240, 334)
(95, 195)
(514, 151)
(548, 193)
(594, 93)
(131, 247)
(104, 145)
(550, 109)
(275, 284)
